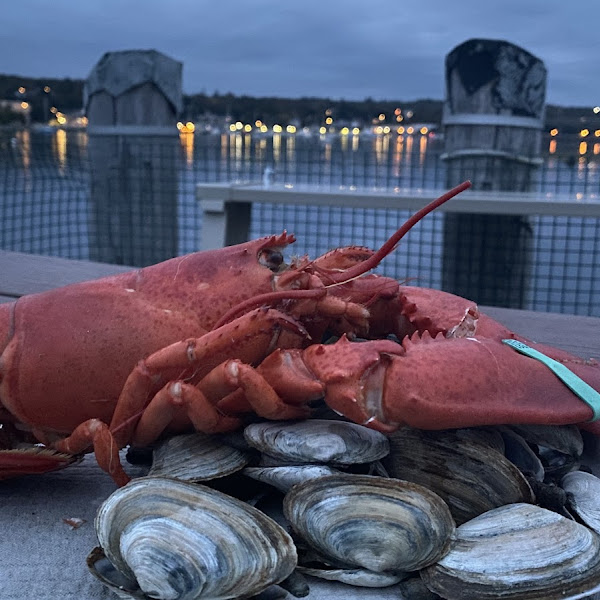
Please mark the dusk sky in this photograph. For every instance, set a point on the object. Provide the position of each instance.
(349, 49)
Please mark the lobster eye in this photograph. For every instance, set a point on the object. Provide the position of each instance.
(272, 259)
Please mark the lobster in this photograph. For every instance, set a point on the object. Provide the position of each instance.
(191, 341)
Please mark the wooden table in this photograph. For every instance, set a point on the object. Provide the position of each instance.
(42, 557)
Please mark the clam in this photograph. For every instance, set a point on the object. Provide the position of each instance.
(566, 439)
(522, 455)
(284, 477)
(518, 551)
(583, 493)
(170, 539)
(559, 447)
(355, 577)
(470, 476)
(196, 457)
(318, 441)
(363, 521)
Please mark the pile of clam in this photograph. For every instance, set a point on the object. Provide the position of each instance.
(504, 512)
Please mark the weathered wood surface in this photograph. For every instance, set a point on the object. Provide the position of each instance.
(22, 274)
(493, 115)
(132, 99)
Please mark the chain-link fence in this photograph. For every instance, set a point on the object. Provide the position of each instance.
(58, 198)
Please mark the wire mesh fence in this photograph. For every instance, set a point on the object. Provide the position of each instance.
(58, 198)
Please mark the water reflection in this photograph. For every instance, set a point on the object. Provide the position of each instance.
(59, 148)
(422, 149)
(290, 148)
(344, 143)
(409, 147)
(381, 147)
(261, 149)
(328, 152)
(276, 147)
(187, 143)
(399, 151)
(24, 144)
(224, 146)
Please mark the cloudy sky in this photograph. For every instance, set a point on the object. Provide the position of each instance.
(385, 49)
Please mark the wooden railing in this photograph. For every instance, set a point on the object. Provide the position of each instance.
(226, 216)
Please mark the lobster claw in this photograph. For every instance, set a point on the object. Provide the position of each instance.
(444, 383)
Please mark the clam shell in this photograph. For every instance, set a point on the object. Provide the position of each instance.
(521, 454)
(183, 541)
(196, 457)
(283, 478)
(470, 476)
(566, 439)
(355, 577)
(374, 523)
(583, 492)
(318, 441)
(518, 551)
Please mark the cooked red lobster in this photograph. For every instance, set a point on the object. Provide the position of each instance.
(200, 339)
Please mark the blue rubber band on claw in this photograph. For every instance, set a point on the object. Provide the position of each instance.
(579, 387)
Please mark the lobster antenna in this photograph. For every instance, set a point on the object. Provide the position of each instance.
(392, 242)
(349, 274)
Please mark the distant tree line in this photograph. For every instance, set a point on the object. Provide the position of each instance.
(306, 111)
(67, 95)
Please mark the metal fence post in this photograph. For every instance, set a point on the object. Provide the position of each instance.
(132, 99)
(492, 121)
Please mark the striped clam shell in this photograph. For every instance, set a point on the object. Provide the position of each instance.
(318, 441)
(471, 476)
(518, 551)
(375, 523)
(196, 457)
(583, 493)
(182, 541)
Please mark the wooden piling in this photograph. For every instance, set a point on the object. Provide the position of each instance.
(492, 123)
(132, 99)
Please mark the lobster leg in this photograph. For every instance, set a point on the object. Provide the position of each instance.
(97, 434)
(251, 337)
(180, 398)
(199, 402)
